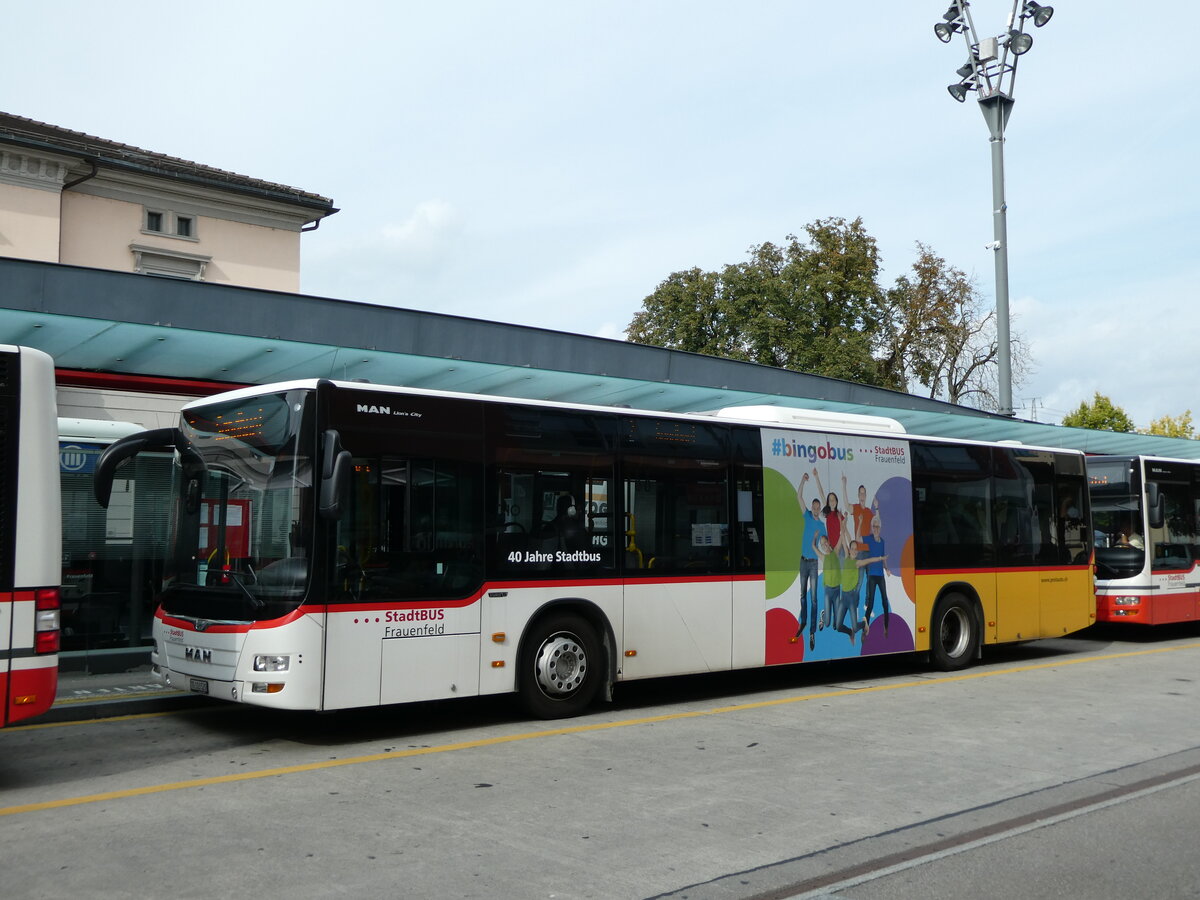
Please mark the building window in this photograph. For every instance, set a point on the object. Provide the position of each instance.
(169, 224)
(168, 263)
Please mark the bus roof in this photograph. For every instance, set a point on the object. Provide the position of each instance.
(785, 417)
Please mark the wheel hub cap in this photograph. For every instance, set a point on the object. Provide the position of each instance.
(561, 664)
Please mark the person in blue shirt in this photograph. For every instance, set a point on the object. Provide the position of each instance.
(814, 530)
(876, 583)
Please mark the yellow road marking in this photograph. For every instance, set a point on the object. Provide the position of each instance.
(552, 732)
(77, 722)
(115, 695)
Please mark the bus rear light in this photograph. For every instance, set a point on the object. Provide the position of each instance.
(266, 687)
(269, 663)
(47, 620)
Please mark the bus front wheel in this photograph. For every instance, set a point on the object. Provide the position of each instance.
(954, 633)
(561, 667)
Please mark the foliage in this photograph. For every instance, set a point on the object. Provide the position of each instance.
(813, 306)
(1173, 426)
(1099, 415)
(942, 337)
(816, 306)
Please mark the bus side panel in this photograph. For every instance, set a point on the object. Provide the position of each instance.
(1019, 597)
(429, 668)
(31, 687)
(27, 681)
(1166, 608)
(860, 546)
(38, 541)
(749, 623)
(353, 658)
(1068, 598)
(676, 627)
(400, 653)
(1176, 597)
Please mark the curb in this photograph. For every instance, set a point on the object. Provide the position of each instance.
(108, 706)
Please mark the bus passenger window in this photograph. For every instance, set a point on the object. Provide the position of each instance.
(679, 516)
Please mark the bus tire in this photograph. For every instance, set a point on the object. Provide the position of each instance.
(561, 666)
(954, 633)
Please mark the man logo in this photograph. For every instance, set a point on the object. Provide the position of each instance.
(196, 654)
(379, 410)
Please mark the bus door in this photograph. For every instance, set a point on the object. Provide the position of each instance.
(1174, 540)
(1044, 548)
(678, 604)
(405, 553)
(959, 518)
(1069, 595)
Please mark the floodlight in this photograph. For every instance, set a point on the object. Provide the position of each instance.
(959, 91)
(1041, 14)
(966, 69)
(1019, 42)
(944, 32)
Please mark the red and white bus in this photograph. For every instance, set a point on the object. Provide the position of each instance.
(343, 545)
(1145, 511)
(30, 534)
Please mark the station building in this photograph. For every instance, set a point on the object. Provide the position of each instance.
(152, 280)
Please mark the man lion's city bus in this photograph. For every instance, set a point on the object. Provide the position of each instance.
(343, 545)
(1145, 512)
(30, 534)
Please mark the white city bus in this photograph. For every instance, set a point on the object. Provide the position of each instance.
(343, 545)
(1146, 512)
(30, 536)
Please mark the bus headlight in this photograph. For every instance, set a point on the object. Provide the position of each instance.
(1127, 601)
(266, 663)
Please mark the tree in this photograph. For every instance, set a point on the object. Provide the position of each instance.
(1099, 415)
(811, 306)
(1173, 426)
(817, 307)
(941, 336)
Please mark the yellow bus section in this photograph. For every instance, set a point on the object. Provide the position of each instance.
(1017, 604)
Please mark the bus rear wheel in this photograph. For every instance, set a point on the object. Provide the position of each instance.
(560, 667)
(954, 633)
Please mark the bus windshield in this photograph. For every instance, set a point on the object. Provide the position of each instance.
(1117, 518)
(243, 496)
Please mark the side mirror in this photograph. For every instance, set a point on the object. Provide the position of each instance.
(1155, 505)
(336, 466)
(127, 447)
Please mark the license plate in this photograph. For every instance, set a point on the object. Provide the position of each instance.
(198, 686)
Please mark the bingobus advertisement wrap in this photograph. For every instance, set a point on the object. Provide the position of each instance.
(839, 546)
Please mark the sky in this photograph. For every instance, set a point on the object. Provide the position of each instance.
(550, 162)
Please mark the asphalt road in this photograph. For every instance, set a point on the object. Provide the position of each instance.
(1067, 768)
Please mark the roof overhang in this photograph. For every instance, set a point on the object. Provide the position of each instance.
(94, 320)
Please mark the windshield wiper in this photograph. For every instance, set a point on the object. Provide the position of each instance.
(255, 601)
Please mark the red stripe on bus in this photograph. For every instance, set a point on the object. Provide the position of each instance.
(1000, 570)
(223, 628)
(17, 596)
(381, 605)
